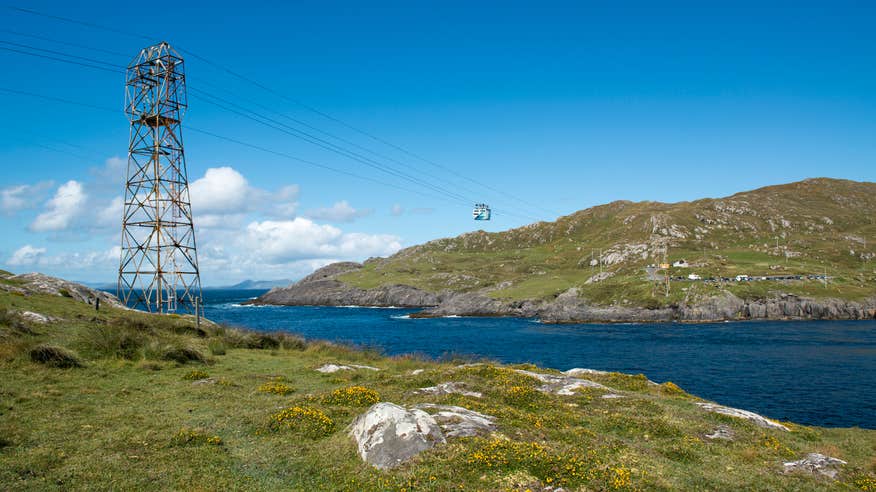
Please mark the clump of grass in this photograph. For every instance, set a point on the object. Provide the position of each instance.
(194, 437)
(182, 355)
(307, 421)
(217, 347)
(123, 340)
(276, 388)
(355, 396)
(55, 356)
(196, 375)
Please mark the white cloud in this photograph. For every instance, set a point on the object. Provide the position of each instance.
(15, 198)
(301, 238)
(62, 208)
(26, 255)
(397, 210)
(339, 212)
(110, 176)
(221, 190)
(111, 214)
(285, 201)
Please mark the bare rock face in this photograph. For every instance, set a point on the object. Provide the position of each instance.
(561, 385)
(449, 388)
(815, 463)
(35, 317)
(387, 435)
(332, 368)
(460, 422)
(723, 432)
(743, 414)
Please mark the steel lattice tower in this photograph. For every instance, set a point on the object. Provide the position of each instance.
(158, 270)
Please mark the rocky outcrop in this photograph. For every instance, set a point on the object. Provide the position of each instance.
(387, 434)
(561, 384)
(333, 368)
(37, 283)
(758, 420)
(815, 464)
(324, 289)
(459, 422)
(321, 288)
(452, 387)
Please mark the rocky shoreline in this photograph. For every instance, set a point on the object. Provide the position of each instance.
(322, 288)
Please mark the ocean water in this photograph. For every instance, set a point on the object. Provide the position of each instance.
(817, 372)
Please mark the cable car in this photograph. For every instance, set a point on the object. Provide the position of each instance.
(481, 212)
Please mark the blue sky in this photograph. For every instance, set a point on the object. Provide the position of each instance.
(562, 105)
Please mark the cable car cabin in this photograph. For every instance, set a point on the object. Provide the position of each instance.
(481, 212)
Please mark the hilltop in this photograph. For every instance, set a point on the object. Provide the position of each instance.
(120, 399)
(814, 239)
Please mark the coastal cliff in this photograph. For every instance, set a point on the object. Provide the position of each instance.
(323, 288)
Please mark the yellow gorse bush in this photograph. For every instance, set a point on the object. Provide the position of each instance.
(196, 374)
(194, 437)
(276, 388)
(537, 459)
(308, 421)
(353, 396)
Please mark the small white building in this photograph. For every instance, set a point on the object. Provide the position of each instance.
(694, 276)
(680, 264)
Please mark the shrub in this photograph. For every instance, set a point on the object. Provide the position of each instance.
(521, 396)
(548, 465)
(182, 355)
(671, 388)
(196, 375)
(307, 421)
(194, 437)
(217, 347)
(55, 356)
(357, 396)
(276, 387)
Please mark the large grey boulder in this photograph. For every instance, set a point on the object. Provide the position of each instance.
(758, 420)
(387, 435)
(816, 463)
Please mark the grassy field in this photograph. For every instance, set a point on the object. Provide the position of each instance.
(125, 400)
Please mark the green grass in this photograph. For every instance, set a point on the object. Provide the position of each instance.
(131, 418)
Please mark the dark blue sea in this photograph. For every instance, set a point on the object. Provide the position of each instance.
(816, 372)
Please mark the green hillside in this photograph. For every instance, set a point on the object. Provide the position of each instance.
(813, 227)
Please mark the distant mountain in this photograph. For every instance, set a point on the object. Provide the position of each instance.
(256, 284)
(791, 235)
